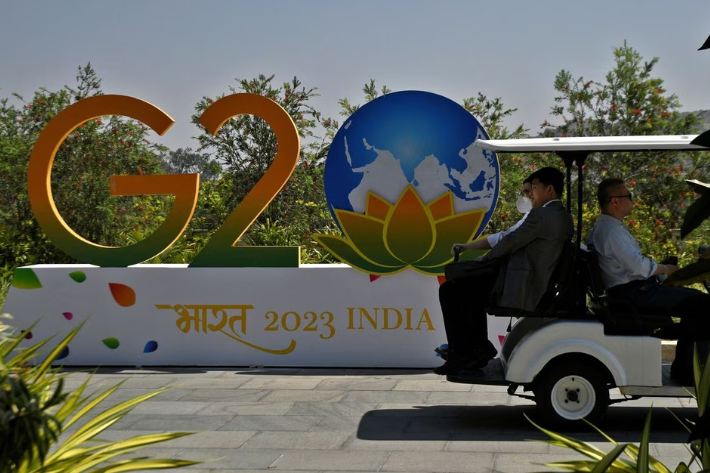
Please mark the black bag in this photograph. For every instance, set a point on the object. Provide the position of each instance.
(466, 269)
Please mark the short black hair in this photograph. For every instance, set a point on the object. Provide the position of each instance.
(605, 190)
(528, 180)
(550, 177)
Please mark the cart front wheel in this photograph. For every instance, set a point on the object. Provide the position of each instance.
(570, 390)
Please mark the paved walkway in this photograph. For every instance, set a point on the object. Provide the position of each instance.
(344, 420)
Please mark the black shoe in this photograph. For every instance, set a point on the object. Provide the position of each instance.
(484, 354)
(452, 365)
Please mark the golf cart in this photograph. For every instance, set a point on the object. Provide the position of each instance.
(579, 343)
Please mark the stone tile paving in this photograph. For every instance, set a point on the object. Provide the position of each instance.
(364, 420)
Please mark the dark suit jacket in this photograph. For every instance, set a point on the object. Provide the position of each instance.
(529, 256)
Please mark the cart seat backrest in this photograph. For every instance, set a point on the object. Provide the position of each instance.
(559, 294)
(593, 275)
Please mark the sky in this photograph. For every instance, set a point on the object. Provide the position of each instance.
(173, 52)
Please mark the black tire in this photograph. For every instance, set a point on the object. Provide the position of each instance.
(569, 390)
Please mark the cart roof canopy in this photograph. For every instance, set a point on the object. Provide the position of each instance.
(593, 144)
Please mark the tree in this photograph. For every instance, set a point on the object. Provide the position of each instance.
(631, 101)
(80, 175)
(186, 161)
(514, 168)
(245, 148)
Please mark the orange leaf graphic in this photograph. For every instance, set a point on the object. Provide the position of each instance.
(122, 294)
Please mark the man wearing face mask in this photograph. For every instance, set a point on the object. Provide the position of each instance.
(525, 257)
(524, 206)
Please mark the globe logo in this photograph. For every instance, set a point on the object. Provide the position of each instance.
(405, 182)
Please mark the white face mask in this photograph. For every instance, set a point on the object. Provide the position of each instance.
(523, 204)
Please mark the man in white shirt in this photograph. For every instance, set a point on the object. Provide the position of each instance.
(628, 274)
(524, 206)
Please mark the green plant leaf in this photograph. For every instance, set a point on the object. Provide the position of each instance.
(569, 442)
(697, 212)
(8, 346)
(682, 468)
(41, 370)
(146, 465)
(609, 458)
(573, 465)
(105, 419)
(642, 462)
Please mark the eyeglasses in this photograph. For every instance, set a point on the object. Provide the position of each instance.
(525, 192)
(629, 195)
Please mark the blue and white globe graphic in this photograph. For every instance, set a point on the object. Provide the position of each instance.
(416, 138)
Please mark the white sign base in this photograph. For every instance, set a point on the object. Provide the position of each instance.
(171, 315)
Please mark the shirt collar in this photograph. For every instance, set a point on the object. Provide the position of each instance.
(610, 220)
(551, 201)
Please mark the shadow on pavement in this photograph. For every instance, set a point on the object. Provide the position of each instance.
(507, 424)
(247, 370)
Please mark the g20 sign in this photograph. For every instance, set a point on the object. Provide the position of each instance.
(402, 179)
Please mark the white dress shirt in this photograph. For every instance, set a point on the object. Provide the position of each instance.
(496, 237)
(619, 254)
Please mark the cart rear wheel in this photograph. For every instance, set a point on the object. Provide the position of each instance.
(570, 390)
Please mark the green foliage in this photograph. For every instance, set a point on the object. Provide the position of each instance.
(80, 174)
(514, 168)
(35, 410)
(186, 161)
(631, 101)
(245, 147)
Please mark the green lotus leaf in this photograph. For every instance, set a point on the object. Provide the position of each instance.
(455, 229)
(409, 230)
(366, 234)
(345, 252)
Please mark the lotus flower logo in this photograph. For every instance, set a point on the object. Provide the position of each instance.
(389, 238)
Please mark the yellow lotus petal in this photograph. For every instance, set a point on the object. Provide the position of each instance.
(377, 207)
(409, 230)
(442, 206)
(366, 234)
(345, 252)
(455, 229)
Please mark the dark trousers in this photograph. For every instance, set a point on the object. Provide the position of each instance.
(463, 304)
(693, 308)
